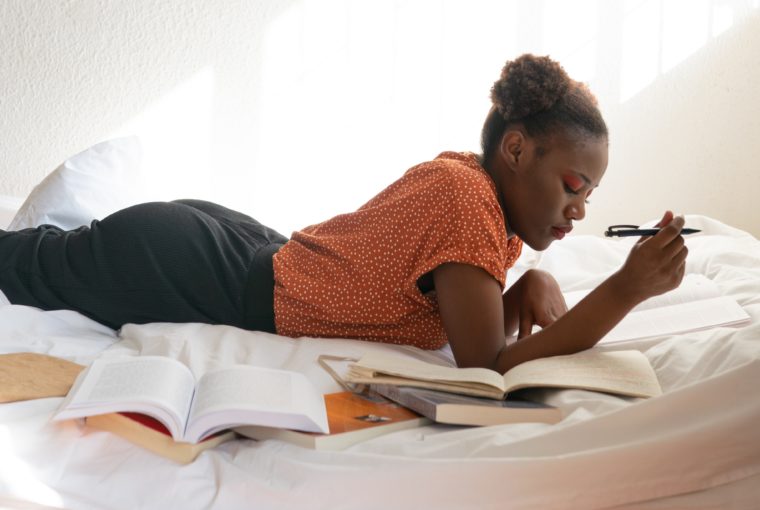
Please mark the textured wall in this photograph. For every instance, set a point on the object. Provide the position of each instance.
(690, 141)
(75, 72)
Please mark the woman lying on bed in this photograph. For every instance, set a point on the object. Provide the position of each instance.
(422, 263)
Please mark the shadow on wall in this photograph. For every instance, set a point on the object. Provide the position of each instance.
(687, 141)
(83, 69)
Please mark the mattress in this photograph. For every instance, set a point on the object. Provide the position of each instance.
(696, 446)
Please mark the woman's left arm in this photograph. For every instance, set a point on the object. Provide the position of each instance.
(473, 309)
(534, 299)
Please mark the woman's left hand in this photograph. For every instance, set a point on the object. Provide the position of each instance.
(538, 300)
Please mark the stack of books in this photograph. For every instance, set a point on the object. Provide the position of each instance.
(478, 396)
(155, 402)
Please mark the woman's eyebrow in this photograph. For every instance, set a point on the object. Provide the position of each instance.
(584, 177)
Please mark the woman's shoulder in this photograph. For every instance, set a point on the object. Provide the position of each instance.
(467, 159)
(450, 166)
(452, 178)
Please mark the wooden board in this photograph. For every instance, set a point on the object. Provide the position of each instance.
(30, 375)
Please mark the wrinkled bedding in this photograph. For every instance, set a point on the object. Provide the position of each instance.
(697, 446)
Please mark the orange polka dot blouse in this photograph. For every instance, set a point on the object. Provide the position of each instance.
(355, 275)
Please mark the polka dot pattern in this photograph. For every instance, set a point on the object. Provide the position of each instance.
(355, 275)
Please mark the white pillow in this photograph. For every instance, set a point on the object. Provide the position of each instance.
(91, 185)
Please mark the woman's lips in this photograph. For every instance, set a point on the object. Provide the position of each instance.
(560, 232)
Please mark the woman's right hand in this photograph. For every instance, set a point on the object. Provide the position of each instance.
(656, 264)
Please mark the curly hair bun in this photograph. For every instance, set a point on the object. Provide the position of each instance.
(527, 85)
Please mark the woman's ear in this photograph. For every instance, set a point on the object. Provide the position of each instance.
(512, 147)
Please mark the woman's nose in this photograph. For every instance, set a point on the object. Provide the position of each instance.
(576, 210)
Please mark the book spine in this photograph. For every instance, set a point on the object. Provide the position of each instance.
(426, 409)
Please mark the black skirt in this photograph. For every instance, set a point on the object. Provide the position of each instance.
(181, 261)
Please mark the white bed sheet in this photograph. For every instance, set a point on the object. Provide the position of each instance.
(697, 446)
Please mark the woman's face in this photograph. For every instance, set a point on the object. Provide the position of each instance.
(545, 184)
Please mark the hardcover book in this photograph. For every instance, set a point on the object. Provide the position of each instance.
(152, 435)
(352, 418)
(455, 409)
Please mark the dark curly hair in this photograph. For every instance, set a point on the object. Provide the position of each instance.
(537, 93)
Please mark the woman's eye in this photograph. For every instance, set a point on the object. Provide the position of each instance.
(571, 191)
(568, 189)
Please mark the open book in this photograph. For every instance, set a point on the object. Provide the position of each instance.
(165, 389)
(623, 372)
(695, 305)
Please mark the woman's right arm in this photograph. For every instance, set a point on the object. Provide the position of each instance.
(654, 266)
(470, 305)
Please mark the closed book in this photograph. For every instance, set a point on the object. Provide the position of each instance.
(352, 418)
(455, 409)
(152, 435)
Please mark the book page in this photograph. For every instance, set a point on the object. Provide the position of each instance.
(623, 372)
(679, 318)
(239, 387)
(133, 384)
(693, 288)
(267, 396)
(414, 369)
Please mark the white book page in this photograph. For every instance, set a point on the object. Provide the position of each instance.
(624, 372)
(693, 287)
(260, 396)
(680, 318)
(420, 370)
(139, 384)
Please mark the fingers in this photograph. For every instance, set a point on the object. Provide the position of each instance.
(541, 319)
(680, 268)
(674, 255)
(679, 258)
(666, 218)
(675, 269)
(674, 247)
(526, 326)
(669, 232)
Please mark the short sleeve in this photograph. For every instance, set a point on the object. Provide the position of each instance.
(469, 229)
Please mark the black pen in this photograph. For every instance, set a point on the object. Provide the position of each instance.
(631, 231)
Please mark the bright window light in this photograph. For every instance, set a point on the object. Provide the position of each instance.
(641, 49)
(685, 29)
(176, 134)
(723, 19)
(351, 94)
(19, 479)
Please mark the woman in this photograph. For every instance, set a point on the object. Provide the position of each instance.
(422, 263)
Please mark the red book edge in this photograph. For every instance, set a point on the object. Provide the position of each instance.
(154, 424)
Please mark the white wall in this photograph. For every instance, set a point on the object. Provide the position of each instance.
(690, 141)
(295, 110)
(182, 74)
